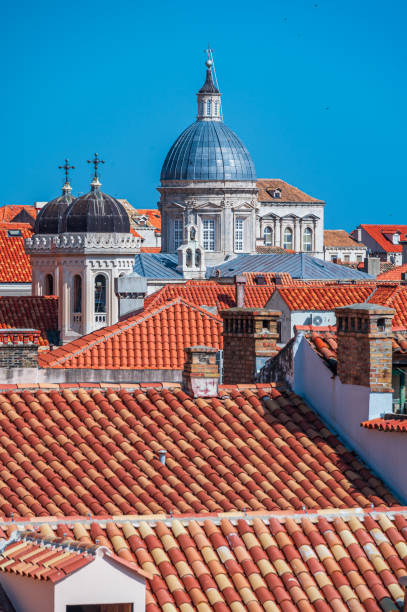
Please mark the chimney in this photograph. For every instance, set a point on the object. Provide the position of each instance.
(19, 348)
(404, 254)
(358, 234)
(250, 336)
(131, 291)
(372, 266)
(200, 377)
(364, 353)
(240, 282)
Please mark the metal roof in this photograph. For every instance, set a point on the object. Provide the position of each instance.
(156, 265)
(208, 150)
(299, 265)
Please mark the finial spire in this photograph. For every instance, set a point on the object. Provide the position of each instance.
(95, 184)
(66, 167)
(209, 105)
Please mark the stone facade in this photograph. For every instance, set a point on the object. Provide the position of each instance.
(19, 349)
(364, 337)
(72, 264)
(250, 336)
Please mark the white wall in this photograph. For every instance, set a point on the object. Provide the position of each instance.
(341, 252)
(27, 594)
(15, 289)
(100, 582)
(344, 407)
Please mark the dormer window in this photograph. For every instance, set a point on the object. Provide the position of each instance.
(396, 238)
(14, 232)
(208, 107)
(276, 193)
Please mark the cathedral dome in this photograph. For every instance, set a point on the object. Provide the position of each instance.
(208, 151)
(96, 212)
(49, 218)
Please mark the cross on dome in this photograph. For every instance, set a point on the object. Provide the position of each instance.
(96, 161)
(66, 167)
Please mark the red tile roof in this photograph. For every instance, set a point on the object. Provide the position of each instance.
(154, 339)
(326, 296)
(153, 215)
(211, 293)
(289, 193)
(381, 234)
(14, 263)
(93, 451)
(394, 296)
(340, 238)
(9, 211)
(51, 558)
(397, 423)
(150, 249)
(394, 274)
(22, 312)
(341, 561)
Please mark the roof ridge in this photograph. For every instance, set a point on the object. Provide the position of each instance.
(141, 319)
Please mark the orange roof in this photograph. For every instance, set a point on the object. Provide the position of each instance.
(394, 274)
(340, 238)
(14, 263)
(325, 297)
(9, 211)
(289, 193)
(95, 451)
(213, 294)
(50, 558)
(394, 296)
(153, 214)
(33, 312)
(395, 422)
(306, 562)
(154, 339)
(150, 250)
(382, 233)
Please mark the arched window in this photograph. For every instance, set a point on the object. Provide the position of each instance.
(77, 293)
(268, 236)
(49, 285)
(201, 108)
(188, 259)
(198, 258)
(308, 239)
(208, 107)
(100, 293)
(216, 107)
(288, 238)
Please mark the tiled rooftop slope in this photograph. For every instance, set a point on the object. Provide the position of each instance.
(14, 263)
(307, 563)
(68, 453)
(27, 312)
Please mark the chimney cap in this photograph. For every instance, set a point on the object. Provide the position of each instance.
(366, 308)
(200, 349)
(240, 278)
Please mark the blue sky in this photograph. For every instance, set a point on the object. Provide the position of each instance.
(315, 89)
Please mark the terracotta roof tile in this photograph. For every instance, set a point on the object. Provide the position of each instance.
(8, 212)
(27, 312)
(340, 238)
(382, 235)
(353, 561)
(289, 193)
(394, 274)
(14, 263)
(96, 451)
(326, 296)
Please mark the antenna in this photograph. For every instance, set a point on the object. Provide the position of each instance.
(209, 53)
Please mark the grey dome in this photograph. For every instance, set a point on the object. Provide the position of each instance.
(49, 218)
(96, 212)
(208, 150)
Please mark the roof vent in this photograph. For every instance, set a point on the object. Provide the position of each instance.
(14, 232)
(162, 454)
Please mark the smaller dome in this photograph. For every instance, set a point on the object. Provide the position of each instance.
(49, 218)
(96, 212)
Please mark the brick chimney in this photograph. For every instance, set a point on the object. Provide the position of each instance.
(250, 336)
(19, 348)
(200, 377)
(240, 282)
(364, 336)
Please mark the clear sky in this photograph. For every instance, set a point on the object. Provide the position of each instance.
(315, 89)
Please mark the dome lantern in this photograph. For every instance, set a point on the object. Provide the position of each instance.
(49, 219)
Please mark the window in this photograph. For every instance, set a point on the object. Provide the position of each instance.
(288, 238)
(346, 258)
(208, 226)
(359, 258)
(14, 232)
(208, 107)
(49, 285)
(77, 293)
(239, 234)
(268, 236)
(277, 193)
(201, 108)
(100, 293)
(334, 257)
(216, 108)
(178, 227)
(308, 239)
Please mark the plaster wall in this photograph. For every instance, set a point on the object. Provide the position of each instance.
(27, 594)
(377, 249)
(344, 407)
(14, 376)
(355, 254)
(101, 581)
(15, 289)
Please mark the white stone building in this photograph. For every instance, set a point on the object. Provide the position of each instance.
(79, 248)
(339, 246)
(208, 179)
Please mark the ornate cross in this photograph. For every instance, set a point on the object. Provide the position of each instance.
(66, 167)
(96, 161)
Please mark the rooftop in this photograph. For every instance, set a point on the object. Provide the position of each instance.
(382, 234)
(289, 193)
(340, 238)
(34, 312)
(14, 263)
